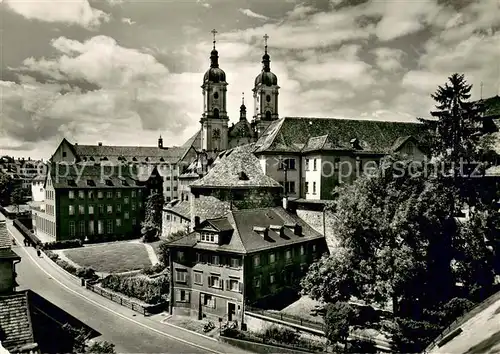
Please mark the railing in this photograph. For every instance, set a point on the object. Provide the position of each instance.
(288, 318)
(145, 310)
(461, 320)
(30, 236)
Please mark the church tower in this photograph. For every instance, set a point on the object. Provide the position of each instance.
(265, 95)
(214, 121)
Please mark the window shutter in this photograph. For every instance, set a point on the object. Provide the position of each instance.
(240, 287)
(209, 281)
(213, 302)
(227, 285)
(221, 284)
(202, 299)
(177, 295)
(188, 296)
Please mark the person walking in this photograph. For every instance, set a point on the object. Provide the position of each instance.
(38, 251)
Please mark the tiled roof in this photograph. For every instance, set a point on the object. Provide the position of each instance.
(226, 171)
(291, 134)
(94, 176)
(129, 154)
(323, 142)
(492, 106)
(15, 321)
(5, 241)
(242, 129)
(243, 237)
(206, 207)
(194, 141)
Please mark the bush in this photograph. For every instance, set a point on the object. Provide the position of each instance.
(66, 266)
(151, 291)
(157, 268)
(52, 255)
(57, 245)
(101, 347)
(86, 273)
(281, 335)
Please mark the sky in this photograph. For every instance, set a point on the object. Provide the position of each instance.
(123, 72)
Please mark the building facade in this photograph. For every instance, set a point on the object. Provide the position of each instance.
(248, 257)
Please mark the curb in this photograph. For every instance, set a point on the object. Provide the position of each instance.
(164, 321)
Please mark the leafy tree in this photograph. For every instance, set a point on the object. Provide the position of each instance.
(101, 347)
(17, 197)
(338, 318)
(5, 188)
(163, 254)
(152, 225)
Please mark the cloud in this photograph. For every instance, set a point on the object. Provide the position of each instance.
(250, 13)
(388, 59)
(204, 4)
(78, 12)
(128, 21)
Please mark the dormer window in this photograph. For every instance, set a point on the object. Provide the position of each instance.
(162, 159)
(109, 183)
(209, 237)
(71, 182)
(355, 144)
(104, 158)
(134, 159)
(90, 183)
(242, 176)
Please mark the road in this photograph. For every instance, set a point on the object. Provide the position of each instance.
(129, 331)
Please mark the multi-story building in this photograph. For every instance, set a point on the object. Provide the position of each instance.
(92, 202)
(247, 257)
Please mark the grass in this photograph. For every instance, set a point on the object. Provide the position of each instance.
(111, 258)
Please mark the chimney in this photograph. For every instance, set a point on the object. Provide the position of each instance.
(76, 144)
(285, 203)
(297, 230)
(196, 221)
(160, 142)
(99, 143)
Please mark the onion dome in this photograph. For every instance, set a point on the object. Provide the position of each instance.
(266, 77)
(214, 74)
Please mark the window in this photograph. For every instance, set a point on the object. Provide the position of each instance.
(256, 260)
(314, 165)
(109, 209)
(272, 258)
(180, 255)
(302, 250)
(181, 295)
(235, 262)
(118, 208)
(91, 195)
(72, 228)
(289, 186)
(118, 222)
(81, 209)
(216, 95)
(109, 194)
(268, 115)
(71, 210)
(110, 226)
(314, 187)
(181, 275)
(306, 187)
(118, 194)
(81, 194)
(82, 228)
(198, 278)
(133, 206)
(307, 165)
(125, 200)
(208, 300)
(99, 194)
(409, 148)
(91, 227)
(272, 278)
(268, 98)
(288, 255)
(214, 281)
(134, 221)
(168, 189)
(133, 194)
(91, 209)
(64, 153)
(101, 209)
(314, 247)
(71, 194)
(125, 215)
(215, 260)
(256, 281)
(234, 285)
(100, 227)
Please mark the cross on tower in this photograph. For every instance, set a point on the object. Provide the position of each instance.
(214, 32)
(243, 98)
(265, 40)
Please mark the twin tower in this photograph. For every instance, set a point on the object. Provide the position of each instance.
(215, 133)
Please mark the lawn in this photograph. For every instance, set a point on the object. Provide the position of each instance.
(111, 258)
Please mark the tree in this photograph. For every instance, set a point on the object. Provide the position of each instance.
(152, 224)
(80, 340)
(338, 319)
(17, 197)
(457, 132)
(101, 347)
(5, 188)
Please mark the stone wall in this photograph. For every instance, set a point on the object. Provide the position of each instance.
(315, 220)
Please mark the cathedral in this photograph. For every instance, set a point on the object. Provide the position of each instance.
(215, 134)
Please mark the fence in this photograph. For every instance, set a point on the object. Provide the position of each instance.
(146, 310)
(461, 320)
(288, 318)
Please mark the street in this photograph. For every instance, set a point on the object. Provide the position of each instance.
(129, 331)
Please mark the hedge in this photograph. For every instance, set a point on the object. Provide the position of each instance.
(156, 269)
(151, 291)
(82, 272)
(57, 245)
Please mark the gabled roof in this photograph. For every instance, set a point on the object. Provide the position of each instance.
(206, 207)
(492, 106)
(94, 176)
(226, 171)
(15, 322)
(291, 134)
(244, 239)
(5, 241)
(194, 141)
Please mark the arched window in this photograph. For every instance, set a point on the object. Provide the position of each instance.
(216, 113)
(268, 115)
(268, 98)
